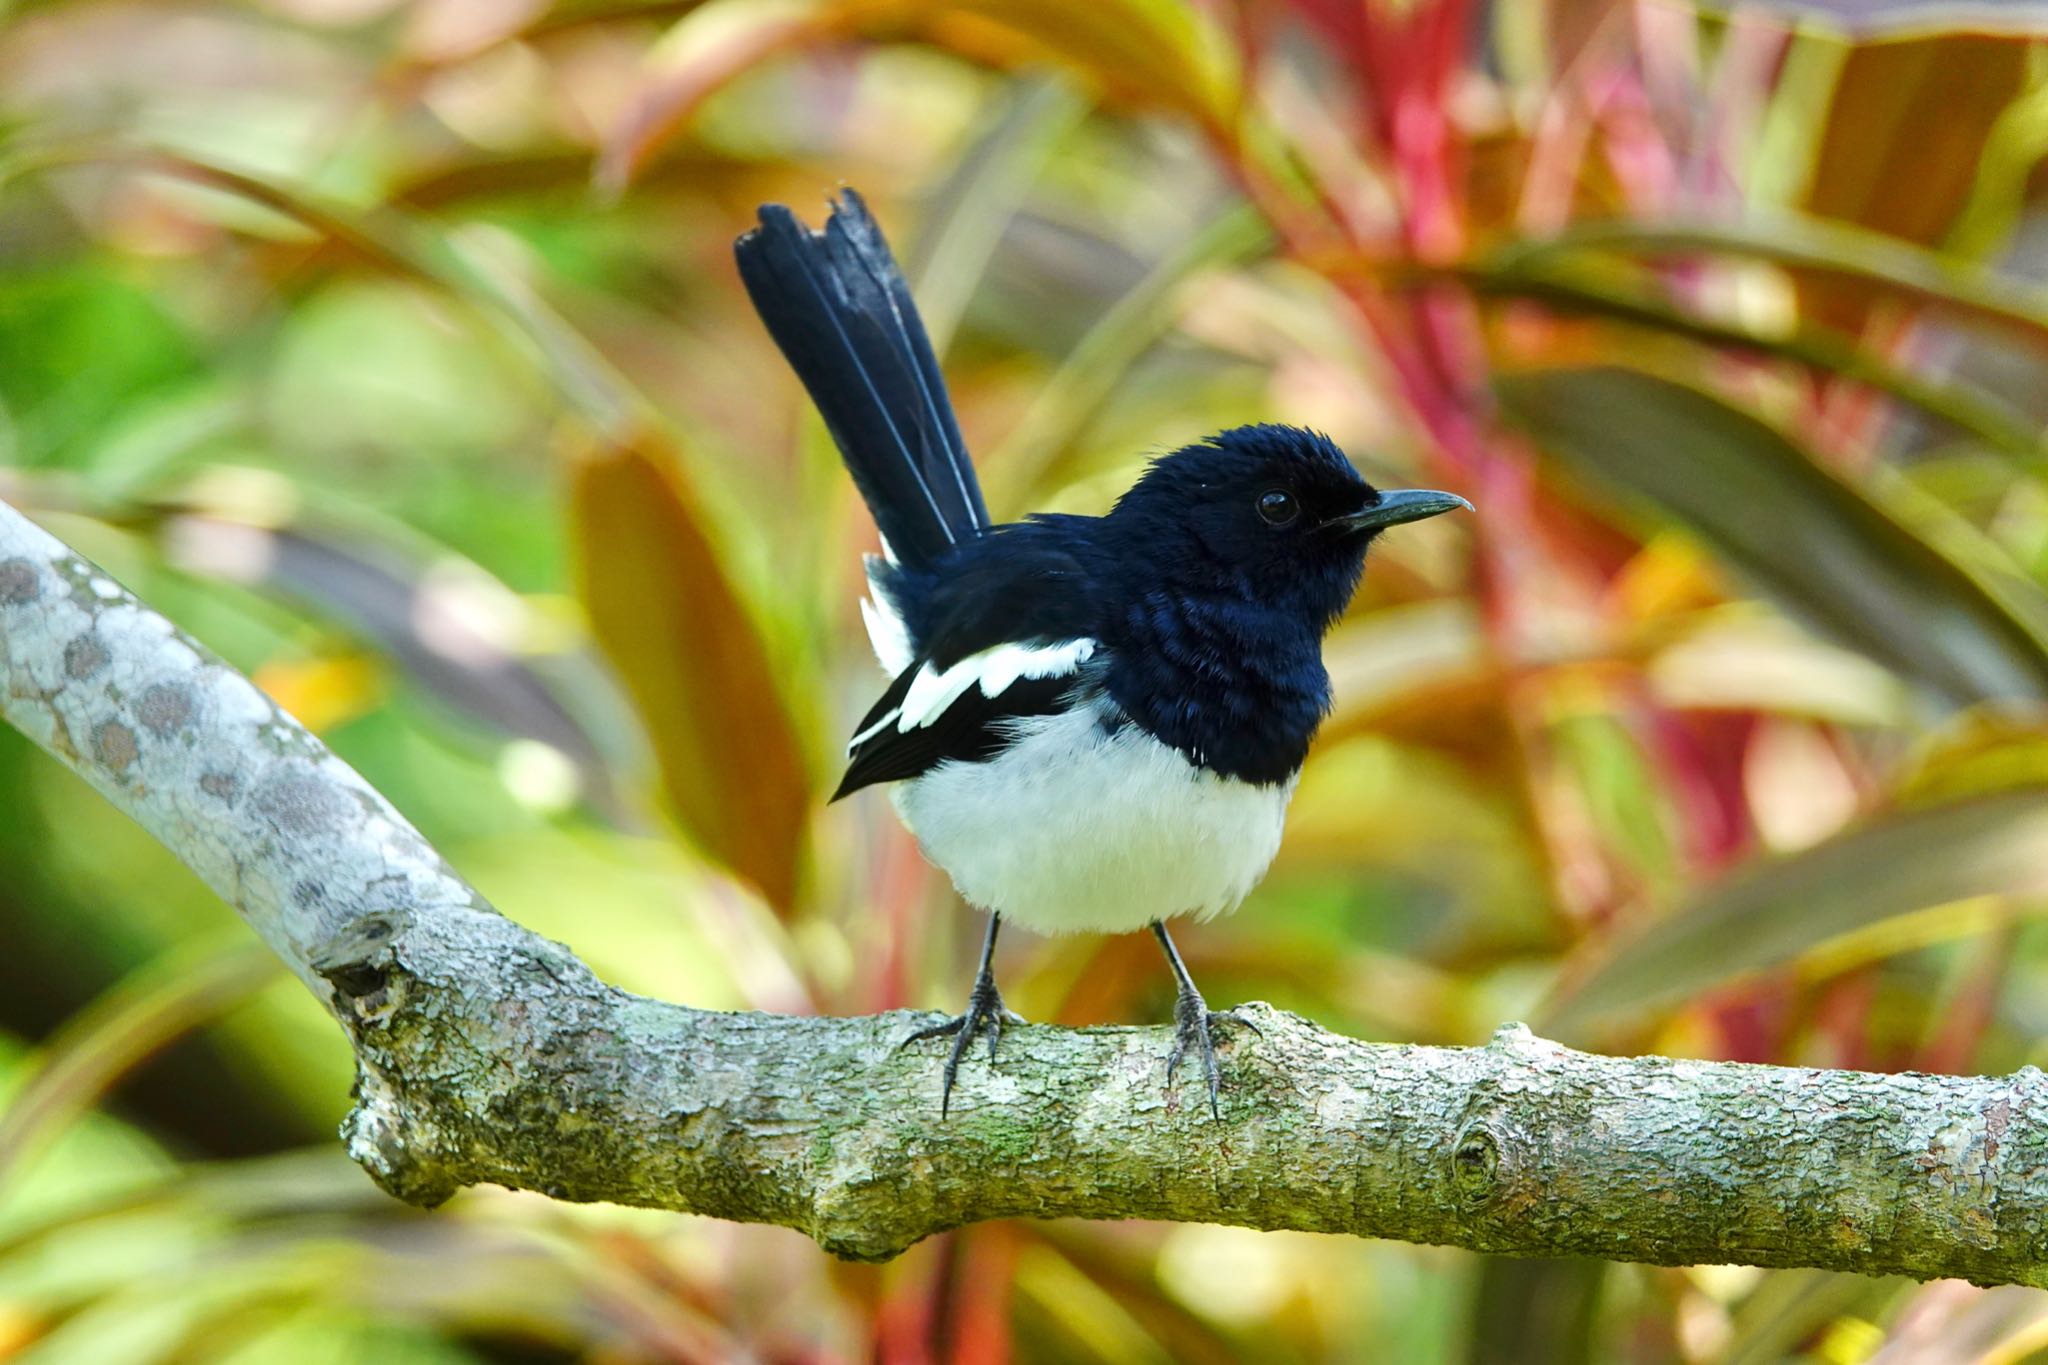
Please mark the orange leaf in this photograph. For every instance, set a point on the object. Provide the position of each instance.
(695, 664)
(1905, 131)
(704, 51)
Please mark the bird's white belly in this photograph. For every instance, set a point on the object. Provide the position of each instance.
(1073, 828)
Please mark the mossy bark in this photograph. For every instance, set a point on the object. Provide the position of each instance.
(488, 1054)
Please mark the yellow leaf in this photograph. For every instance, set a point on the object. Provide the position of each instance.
(322, 693)
(1150, 53)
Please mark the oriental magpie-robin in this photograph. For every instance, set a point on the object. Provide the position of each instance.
(1096, 722)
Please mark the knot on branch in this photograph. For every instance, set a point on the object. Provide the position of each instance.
(369, 985)
(396, 1151)
(387, 1133)
(857, 1217)
(1475, 1163)
(1491, 1155)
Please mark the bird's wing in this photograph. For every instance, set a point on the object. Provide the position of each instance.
(1009, 632)
(966, 713)
(837, 304)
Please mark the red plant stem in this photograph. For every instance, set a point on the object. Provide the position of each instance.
(1635, 147)
(1701, 757)
(985, 1274)
(1753, 1022)
(1322, 245)
(1844, 417)
(1430, 340)
(906, 1318)
(900, 882)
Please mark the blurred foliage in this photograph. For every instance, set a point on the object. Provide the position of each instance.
(393, 348)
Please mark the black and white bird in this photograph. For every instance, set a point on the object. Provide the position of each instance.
(1096, 722)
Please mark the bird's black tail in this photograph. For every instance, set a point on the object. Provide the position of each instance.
(838, 306)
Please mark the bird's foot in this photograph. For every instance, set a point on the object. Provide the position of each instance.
(1194, 1024)
(985, 1012)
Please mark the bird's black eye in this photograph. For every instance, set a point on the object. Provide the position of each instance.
(1278, 506)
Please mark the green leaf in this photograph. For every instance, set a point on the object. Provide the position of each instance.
(1773, 913)
(1841, 251)
(698, 56)
(393, 242)
(1088, 377)
(80, 348)
(143, 1013)
(1875, 18)
(1903, 139)
(1789, 1309)
(1158, 53)
(967, 212)
(1828, 550)
(1587, 287)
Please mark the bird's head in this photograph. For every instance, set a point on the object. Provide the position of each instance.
(1275, 513)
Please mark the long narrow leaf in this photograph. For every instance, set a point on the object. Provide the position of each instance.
(1871, 18)
(396, 243)
(1089, 375)
(1152, 53)
(142, 1014)
(968, 212)
(661, 607)
(1882, 263)
(1824, 548)
(707, 690)
(1580, 288)
(1772, 914)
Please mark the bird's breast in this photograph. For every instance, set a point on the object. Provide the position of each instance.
(1086, 822)
(1239, 691)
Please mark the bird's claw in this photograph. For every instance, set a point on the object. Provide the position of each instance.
(985, 1012)
(1194, 1023)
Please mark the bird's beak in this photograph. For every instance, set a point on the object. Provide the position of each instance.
(1399, 505)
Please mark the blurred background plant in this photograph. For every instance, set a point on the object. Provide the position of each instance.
(393, 347)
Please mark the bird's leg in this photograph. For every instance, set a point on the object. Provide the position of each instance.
(985, 1010)
(1193, 1020)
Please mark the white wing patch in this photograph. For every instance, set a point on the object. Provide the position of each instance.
(993, 669)
(888, 719)
(886, 631)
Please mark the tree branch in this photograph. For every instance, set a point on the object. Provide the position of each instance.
(488, 1054)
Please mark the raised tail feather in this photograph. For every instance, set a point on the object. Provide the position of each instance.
(838, 306)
